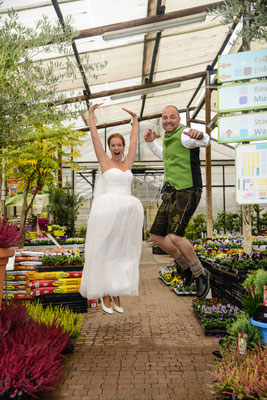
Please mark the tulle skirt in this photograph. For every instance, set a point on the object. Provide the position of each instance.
(113, 246)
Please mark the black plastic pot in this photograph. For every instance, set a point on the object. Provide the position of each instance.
(23, 396)
(68, 350)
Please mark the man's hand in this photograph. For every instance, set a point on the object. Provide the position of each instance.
(194, 134)
(149, 136)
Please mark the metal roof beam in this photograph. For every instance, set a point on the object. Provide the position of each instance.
(100, 30)
(127, 89)
(87, 91)
(127, 121)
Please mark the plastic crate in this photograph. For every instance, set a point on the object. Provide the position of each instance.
(74, 301)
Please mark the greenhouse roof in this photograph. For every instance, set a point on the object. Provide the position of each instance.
(170, 60)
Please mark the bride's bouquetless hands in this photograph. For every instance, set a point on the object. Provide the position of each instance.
(133, 114)
(94, 107)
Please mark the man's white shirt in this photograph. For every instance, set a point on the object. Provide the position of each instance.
(187, 142)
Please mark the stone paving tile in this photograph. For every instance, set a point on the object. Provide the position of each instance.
(156, 350)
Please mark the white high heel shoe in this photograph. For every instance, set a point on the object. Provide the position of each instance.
(117, 308)
(107, 310)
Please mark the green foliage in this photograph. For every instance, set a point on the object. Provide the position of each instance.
(147, 234)
(27, 83)
(258, 220)
(256, 279)
(81, 232)
(250, 280)
(228, 222)
(70, 321)
(260, 281)
(36, 160)
(61, 259)
(253, 12)
(251, 303)
(242, 325)
(64, 207)
(196, 227)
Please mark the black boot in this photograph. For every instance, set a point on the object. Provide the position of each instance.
(188, 276)
(203, 285)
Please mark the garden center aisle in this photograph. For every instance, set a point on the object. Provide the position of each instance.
(155, 351)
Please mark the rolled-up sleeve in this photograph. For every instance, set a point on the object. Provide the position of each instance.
(190, 143)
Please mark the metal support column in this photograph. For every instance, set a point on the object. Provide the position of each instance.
(208, 157)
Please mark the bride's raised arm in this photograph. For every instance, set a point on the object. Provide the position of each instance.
(99, 150)
(133, 139)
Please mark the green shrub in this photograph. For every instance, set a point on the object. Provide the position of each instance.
(251, 303)
(197, 228)
(257, 279)
(64, 206)
(242, 325)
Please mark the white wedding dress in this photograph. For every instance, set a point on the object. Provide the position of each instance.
(113, 239)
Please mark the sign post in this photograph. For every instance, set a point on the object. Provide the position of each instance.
(251, 160)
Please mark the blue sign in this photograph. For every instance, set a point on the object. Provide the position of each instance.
(245, 65)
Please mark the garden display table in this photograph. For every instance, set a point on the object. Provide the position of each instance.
(225, 284)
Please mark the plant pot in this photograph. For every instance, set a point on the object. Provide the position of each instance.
(58, 233)
(69, 349)
(4, 256)
(24, 396)
(263, 328)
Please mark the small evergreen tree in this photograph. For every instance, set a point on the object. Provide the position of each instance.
(196, 227)
(64, 206)
(228, 222)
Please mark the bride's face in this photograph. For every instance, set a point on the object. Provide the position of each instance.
(116, 148)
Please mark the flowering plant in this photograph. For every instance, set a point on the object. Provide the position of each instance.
(168, 273)
(259, 241)
(228, 243)
(179, 285)
(217, 316)
(9, 233)
(30, 354)
(241, 375)
(245, 262)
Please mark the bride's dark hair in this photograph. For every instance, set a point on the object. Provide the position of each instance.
(116, 135)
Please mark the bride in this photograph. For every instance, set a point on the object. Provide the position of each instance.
(114, 230)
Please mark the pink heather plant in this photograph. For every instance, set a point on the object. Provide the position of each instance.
(242, 375)
(30, 355)
(9, 233)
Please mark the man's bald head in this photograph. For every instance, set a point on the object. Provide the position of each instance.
(170, 118)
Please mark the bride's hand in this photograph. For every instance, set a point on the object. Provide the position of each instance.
(93, 107)
(133, 114)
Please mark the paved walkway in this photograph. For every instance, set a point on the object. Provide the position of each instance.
(156, 350)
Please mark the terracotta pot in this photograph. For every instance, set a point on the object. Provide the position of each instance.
(4, 256)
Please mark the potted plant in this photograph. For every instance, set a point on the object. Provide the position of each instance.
(31, 359)
(9, 237)
(241, 376)
(254, 284)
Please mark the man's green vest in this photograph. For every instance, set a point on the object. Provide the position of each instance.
(182, 165)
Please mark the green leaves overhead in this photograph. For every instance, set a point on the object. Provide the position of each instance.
(33, 62)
